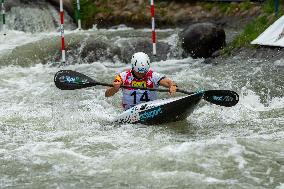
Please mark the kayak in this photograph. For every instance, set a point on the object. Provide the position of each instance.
(153, 112)
(161, 111)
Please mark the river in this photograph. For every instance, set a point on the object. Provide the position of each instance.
(63, 139)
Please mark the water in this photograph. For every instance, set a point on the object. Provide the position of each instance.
(62, 139)
(36, 18)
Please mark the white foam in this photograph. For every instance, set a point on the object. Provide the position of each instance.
(15, 38)
(279, 62)
(41, 124)
(281, 186)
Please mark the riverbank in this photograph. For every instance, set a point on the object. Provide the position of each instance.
(249, 19)
(245, 21)
(105, 13)
(240, 45)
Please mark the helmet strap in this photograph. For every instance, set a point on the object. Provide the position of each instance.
(135, 76)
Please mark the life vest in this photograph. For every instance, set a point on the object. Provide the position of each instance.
(132, 97)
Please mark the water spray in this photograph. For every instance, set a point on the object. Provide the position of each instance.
(153, 27)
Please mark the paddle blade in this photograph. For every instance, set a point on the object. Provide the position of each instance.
(71, 80)
(222, 97)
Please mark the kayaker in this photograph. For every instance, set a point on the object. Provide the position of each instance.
(140, 75)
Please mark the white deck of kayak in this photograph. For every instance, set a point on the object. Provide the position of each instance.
(273, 35)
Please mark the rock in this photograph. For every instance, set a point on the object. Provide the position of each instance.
(202, 40)
(126, 14)
(215, 11)
(129, 47)
(244, 13)
(178, 15)
(140, 2)
(217, 53)
(255, 11)
(163, 4)
(98, 50)
(101, 49)
(199, 8)
(120, 26)
(131, 7)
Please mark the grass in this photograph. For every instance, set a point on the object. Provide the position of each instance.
(227, 7)
(246, 5)
(252, 30)
(89, 10)
(255, 28)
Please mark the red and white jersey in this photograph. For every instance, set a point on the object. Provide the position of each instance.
(132, 97)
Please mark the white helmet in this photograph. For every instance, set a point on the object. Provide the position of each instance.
(140, 62)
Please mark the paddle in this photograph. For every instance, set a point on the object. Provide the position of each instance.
(71, 80)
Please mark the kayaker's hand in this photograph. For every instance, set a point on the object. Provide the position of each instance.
(116, 85)
(173, 90)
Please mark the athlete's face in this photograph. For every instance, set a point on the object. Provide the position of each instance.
(139, 75)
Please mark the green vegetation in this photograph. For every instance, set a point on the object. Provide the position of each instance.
(108, 9)
(245, 5)
(256, 27)
(227, 7)
(89, 10)
(253, 30)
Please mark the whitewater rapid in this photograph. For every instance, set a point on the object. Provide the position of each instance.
(63, 139)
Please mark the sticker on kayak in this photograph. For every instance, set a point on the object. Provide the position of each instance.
(134, 116)
(131, 116)
(150, 114)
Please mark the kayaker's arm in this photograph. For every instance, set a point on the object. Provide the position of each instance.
(169, 84)
(112, 90)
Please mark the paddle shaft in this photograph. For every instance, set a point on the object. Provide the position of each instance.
(210, 96)
(148, 89)
(72, 80)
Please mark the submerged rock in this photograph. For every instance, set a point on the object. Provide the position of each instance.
(202, 40)
(98, 50)
(129, 47)
(85, 49)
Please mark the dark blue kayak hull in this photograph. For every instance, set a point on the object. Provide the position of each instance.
(161, 111)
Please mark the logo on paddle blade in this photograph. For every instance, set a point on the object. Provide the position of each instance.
(150, 114)
(223, 98)
(72, 80)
